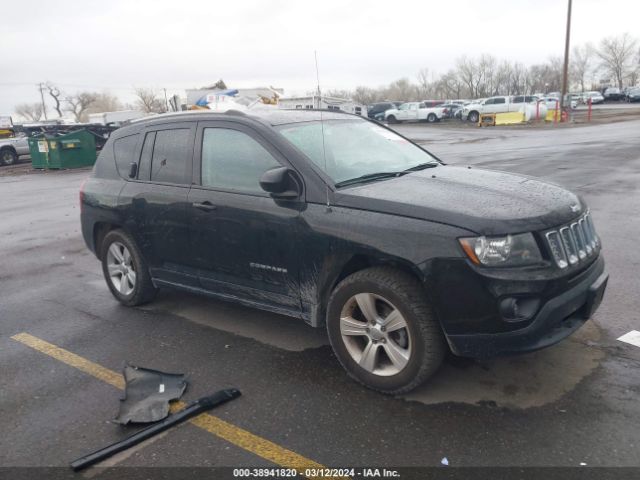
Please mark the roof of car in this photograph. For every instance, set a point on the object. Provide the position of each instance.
(271, 117)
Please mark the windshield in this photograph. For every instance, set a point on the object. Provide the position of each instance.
(354, 148)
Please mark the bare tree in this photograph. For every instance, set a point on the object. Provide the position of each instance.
(616, 55)
(338, 93)
(79, 103)
(546, 77)
(55, 93)
(366, 95)
(105, 102)
(519, 79)
(148, 101)
(581, 64)
(634, 74)
(426, 85)
(30, 111)
(467, 72)
(402, 89)
(449, 86)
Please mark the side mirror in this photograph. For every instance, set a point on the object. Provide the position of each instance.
(133, 170)
(280, 183)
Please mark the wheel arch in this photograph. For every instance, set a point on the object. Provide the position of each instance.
(356, 263)
(100, 230)
(8, 147)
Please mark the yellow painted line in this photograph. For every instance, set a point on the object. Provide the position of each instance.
(212, 424)
(76, 361)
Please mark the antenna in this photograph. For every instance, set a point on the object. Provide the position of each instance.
(324, 151)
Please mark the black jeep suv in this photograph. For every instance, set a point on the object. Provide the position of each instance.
(339, 221)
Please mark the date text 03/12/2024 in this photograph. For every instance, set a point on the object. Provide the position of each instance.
(315, 473)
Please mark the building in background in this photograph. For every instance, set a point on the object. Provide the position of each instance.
(322, 102)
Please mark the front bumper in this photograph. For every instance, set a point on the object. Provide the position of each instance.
(558, 318)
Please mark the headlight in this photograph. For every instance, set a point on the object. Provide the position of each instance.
(503, 251)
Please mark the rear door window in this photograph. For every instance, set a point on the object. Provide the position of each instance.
(170, 158)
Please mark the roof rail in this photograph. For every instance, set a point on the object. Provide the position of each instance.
(167, 115)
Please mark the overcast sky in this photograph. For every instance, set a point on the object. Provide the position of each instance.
(115, 45)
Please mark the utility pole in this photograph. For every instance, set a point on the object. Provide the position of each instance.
(565, 72)
(44, 106)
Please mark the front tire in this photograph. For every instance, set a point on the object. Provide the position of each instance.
(125, 270)
(391, 119)
(474, 117)
(8, 157)
(383, 330)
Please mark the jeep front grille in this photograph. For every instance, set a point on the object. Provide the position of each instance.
(574, 242)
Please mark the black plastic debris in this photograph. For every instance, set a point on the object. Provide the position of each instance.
(148, 393)
(192, 410)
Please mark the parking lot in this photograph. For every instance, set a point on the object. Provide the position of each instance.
(64, 340)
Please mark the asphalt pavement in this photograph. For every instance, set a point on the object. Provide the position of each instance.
(571, 404)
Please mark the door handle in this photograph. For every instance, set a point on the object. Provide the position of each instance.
(206, 206)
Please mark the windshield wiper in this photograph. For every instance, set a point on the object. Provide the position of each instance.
(422, 166)
(370, 177)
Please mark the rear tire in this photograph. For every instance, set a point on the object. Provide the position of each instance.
(391, 360)
(474, 117)
(431, 118)
(8, 157)
(125, 270)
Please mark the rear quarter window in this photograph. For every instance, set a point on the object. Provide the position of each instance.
(124, 150)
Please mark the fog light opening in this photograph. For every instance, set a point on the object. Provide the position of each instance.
(515, 309)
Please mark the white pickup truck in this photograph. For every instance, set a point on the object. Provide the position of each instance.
(13, 148)
(414, 112)
(530, 105)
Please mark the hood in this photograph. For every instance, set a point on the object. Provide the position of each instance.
(484, 201)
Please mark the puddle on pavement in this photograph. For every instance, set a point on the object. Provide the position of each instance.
(523, 381)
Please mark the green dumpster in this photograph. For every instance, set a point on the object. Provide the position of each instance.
(72, 150)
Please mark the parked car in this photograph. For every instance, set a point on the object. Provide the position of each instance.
(613, 94)
(503, 104)
(12, 148)
(633, 95)
(450, 109)
(594, 96)
(552, 102)
(345, 224)
(414, 112)
(376, 111)
(432, 103)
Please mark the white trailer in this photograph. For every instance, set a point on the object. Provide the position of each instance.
(106, 118)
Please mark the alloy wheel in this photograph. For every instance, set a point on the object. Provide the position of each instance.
(121, 270)
(375, 334)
